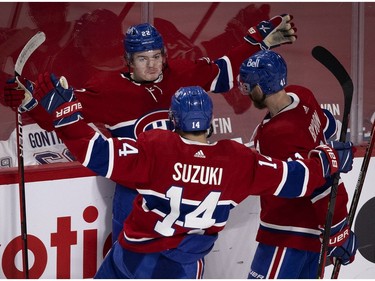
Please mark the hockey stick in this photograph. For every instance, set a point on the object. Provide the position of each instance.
(26, 52)
(357, 191)
(326, 58)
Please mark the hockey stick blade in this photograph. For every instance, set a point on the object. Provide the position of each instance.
(27, 51)
(326, 58)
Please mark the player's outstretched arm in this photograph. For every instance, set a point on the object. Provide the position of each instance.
(61, 103)
(301, 177)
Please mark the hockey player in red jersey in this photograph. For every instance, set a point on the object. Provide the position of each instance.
(152, 80)
(186, 186)
(289, 231)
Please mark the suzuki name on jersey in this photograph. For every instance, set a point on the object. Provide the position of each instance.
(197, 174)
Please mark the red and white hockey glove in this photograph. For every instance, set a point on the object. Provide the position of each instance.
(58, 99)
(335, 157)
(18, 93)
(272, 33)
(342, 244)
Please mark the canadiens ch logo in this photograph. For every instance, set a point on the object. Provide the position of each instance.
(156, 119)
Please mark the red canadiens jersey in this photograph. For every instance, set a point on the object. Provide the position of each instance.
(184, 187)
(137, 107)
(291, 134)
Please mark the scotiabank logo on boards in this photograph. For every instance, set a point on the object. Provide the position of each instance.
(62, 242)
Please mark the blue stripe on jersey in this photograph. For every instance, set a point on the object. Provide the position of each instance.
(162, 207)
(224, 81)
(123, 132)
(99, 164)
(300, 177)
(330, 129)
(321, 191)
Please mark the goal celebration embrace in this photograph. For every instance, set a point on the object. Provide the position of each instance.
(149, 140)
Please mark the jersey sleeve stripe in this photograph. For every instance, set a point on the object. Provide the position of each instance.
(321, 195)
(89, 150)
(306, 179)
(224, 80)
(110, 158)
(283, 180)
(121, 125)
(99, 149)
(330, 129)
(295, 182)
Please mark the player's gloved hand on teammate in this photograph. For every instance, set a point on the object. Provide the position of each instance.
(342, 244)
(335, 157)
(58, 99)
(18, 93)
(272, 33)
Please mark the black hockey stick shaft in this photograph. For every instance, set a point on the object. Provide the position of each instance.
(22, 193)
(336, 68)
(357, 191)
(24, 55)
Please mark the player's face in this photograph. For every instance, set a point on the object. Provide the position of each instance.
(257, 96)
(147, 66)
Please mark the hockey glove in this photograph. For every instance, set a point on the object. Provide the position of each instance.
(18, 93)
(342, 244)
(273, 33)
(58, 99)
(338, 157)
